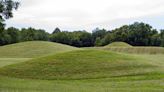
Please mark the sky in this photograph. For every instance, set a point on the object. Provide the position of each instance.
(73, 15)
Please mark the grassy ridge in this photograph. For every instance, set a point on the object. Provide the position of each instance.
(118, 44)
(81, 64)
(32, 49)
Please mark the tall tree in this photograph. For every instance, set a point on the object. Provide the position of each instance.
(57, 30)
(162, 37)
(6, 12)
(6, 9)
(31, 34)
(14, 33)
(98, 33)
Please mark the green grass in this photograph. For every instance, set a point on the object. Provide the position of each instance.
(8, 61)
(126, 48)
(131, 50)
(118, 44)
(137, 50)
(141, 83)
(44, 69)
(124, 84)
(81, 64)
(33, 49)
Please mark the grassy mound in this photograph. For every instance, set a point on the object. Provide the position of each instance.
(32, 49)
(118, 44)
(126, 48)
(81, 64)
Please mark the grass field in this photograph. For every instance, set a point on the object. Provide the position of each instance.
(82, 70)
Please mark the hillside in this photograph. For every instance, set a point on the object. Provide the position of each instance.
(118, 44)
(81, 64)
(33, 49)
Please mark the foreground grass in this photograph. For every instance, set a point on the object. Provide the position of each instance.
(121, 84)
(140, 83)
(81, 64)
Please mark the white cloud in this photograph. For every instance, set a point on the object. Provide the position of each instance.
(81, 14)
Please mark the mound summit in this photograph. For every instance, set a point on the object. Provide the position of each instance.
(126, 48)
(118, 44)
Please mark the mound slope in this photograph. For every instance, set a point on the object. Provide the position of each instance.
(81, 64)
(118, 44)
(32, 49)
(138, 50)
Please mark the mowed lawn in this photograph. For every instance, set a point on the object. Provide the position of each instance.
(140, 83)
(147, 69)
(124, 84)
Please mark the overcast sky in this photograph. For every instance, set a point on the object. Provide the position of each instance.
(87, 14)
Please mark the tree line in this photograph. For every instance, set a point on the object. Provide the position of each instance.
(136, 34)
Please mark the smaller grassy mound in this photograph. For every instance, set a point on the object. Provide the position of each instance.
(126, 48)
(33, 49)
(81, 64)
(118, 44)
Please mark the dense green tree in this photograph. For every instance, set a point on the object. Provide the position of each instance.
(98, 42)
(14, 34)
(137, 34)
(76, 38)
(98, 33)
(31, 34)
(57, 30)
(61, 37)
(109, 38)
(86, 39)
(41, 34)
(4, 38)
(121, 34)
(81, 39)
(27, 34)
(162, 37)
(6, 9)
(155, 40)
